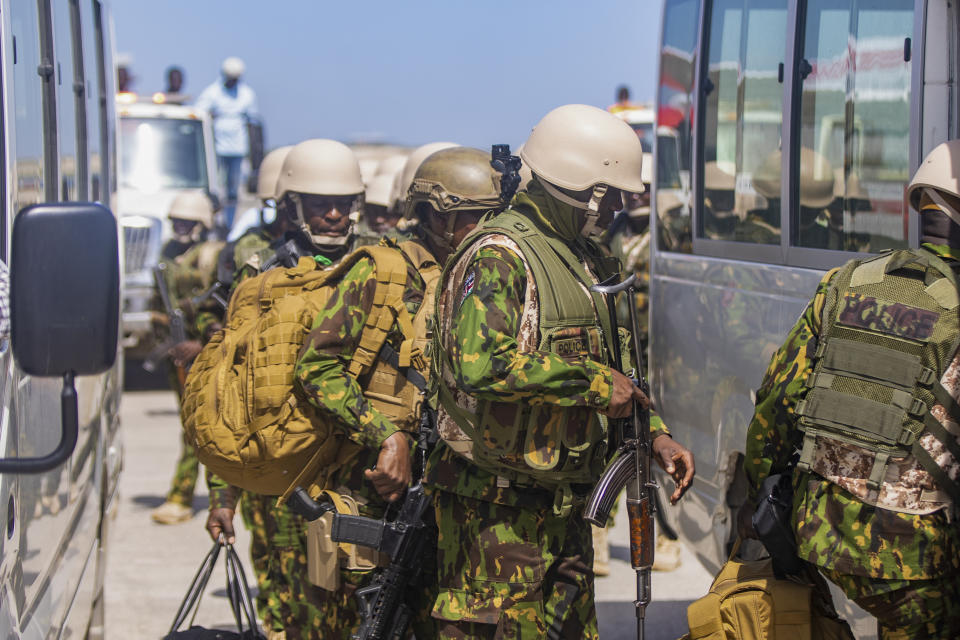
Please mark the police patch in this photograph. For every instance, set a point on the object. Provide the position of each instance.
(891, 318)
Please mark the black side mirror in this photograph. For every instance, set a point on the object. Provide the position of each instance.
(65, 305)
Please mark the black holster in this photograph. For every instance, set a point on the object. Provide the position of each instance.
(772, 523)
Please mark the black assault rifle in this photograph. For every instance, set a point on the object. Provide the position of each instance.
(630, 466)
(178, 329)
(407, 539)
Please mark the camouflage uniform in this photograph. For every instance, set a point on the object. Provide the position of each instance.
(321, 371)
(187, 275)
(277, 534)
(508, 566)
(902, 568)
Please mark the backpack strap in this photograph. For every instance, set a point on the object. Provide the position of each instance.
(388, 309)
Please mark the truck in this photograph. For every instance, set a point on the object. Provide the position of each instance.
(165, 149)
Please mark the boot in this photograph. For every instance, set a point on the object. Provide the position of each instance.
(171, 513)
(667, 554)
(601, 552)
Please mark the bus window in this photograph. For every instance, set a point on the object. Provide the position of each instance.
(64, 79)
(854, 125)
(743, 117)
(91, 80)
(27, 105)
(674, 113)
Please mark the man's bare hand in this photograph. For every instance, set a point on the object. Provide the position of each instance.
(392, 475)
(624, 393)
(184, 352)
(221, 521)
(676, 460)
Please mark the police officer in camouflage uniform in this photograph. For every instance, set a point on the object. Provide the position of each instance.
(860, 404)
(522, 353)
(449, 193)
(320, 196)
(190, 263)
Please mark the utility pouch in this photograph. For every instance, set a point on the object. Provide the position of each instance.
(772, 522)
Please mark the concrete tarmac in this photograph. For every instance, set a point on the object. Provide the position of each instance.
(150, 566)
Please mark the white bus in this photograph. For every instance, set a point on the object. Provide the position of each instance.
(57, 136)
(797, 125)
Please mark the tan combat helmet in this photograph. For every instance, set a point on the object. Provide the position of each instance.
(402, 182)
(451, 181)
(816, 178)
(578, 148)
(379, 190)
(194, 206)
(325, 168)
(269, 172)
(936, 184)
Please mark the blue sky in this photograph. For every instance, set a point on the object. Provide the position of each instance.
(409, 72)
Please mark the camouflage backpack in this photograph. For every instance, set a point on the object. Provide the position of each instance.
(251, 424)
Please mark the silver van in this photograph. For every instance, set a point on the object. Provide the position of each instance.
(58, 141)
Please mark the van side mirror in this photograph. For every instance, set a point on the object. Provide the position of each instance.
(64, 305)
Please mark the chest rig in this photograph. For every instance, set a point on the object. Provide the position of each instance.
(890, 330)
(536, 444)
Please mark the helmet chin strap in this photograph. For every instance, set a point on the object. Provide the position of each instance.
(591, 207)
(442, 240)
(949, 211)
(328, 242)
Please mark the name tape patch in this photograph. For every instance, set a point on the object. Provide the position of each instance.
(891, 318)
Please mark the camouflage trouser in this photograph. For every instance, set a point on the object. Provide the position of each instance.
(185, 477)
(287, 600)
(252, 508)
(508, 572)
(907, 609)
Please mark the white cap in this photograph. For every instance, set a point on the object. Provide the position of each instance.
(233, 67)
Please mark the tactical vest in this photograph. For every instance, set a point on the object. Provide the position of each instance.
(870, 418)
(522, 443)
(250, 422)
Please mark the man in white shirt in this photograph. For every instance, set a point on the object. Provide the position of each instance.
(231, 103)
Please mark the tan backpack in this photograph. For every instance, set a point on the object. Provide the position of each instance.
(748, 602)
(250, 422)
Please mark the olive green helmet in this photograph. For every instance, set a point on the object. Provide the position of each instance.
(401, 184)
(455, 179)
(451, 181)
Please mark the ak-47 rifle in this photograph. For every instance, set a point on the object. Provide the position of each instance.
(407, 539)
(630, 466)
(178, 330)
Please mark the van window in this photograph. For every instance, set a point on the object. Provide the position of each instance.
(674, 113)
(27, 105)
(854, 125)
(65, 81)
(740, 169)
(91, 94)
(162, 153)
